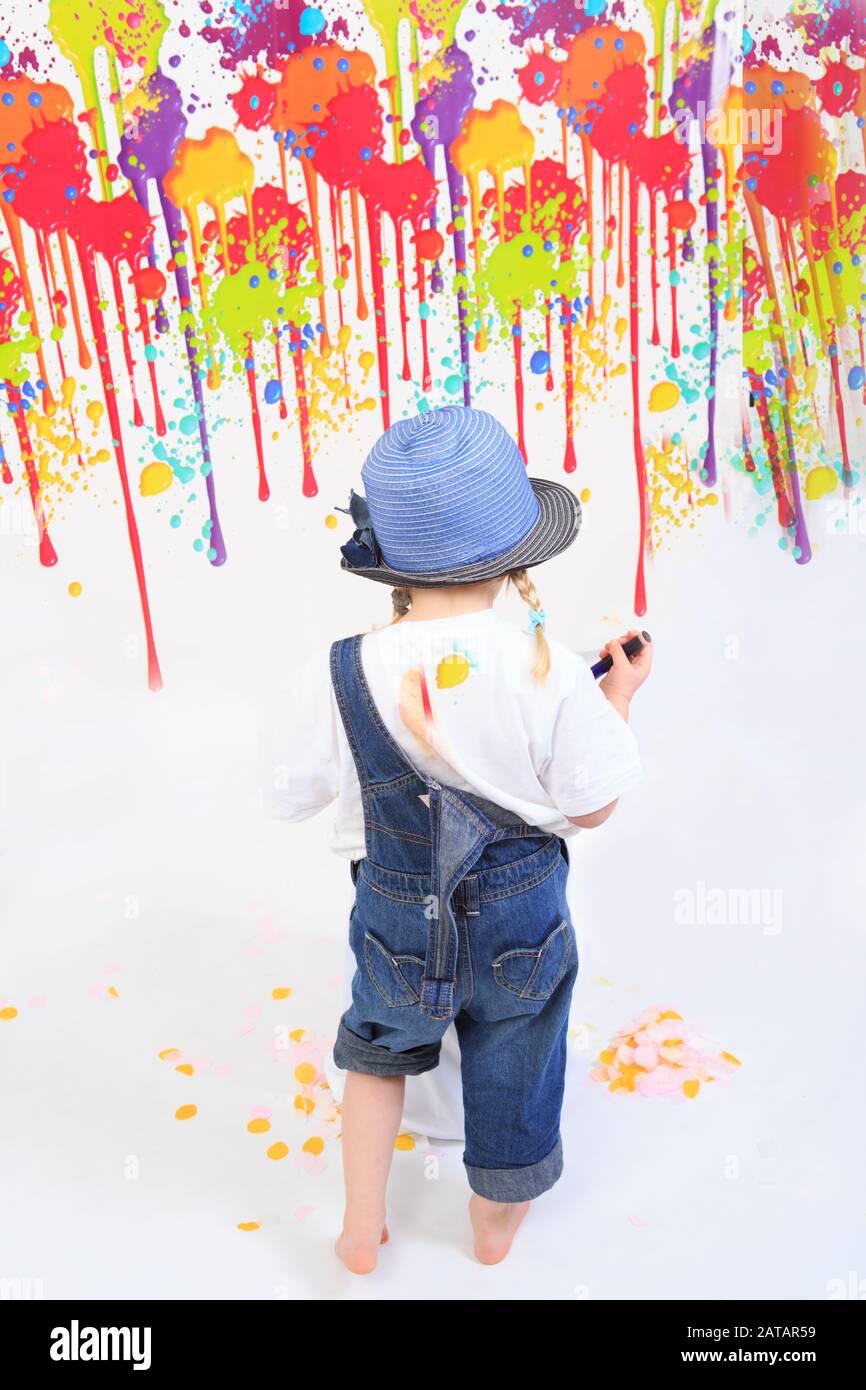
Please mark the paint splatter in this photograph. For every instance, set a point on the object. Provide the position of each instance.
(349, 236)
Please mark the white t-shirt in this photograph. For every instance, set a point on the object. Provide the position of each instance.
(542, 750)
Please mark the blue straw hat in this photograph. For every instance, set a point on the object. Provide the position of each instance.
(448, 501)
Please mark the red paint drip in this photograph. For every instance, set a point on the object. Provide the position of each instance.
(309, 486)
(517, 339)
(264, 490)
(88, 275)
(639, 460)
(47, 553)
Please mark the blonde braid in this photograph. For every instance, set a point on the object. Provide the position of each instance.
(528, 592)
(402, 601)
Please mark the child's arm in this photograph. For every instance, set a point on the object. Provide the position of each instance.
(298, 744)
(618, 687)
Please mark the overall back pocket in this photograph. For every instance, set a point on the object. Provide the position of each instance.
(533, 972)
(397, 978)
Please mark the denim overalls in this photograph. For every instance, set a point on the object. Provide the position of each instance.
(460, 914)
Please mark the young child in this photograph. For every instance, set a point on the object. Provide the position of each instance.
(462, 752)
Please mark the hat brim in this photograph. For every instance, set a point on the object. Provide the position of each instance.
(559, 518)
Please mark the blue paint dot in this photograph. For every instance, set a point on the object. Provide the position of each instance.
(273, 392)
(366, 153)
(528, 250)
(318, 64)
(423, 311)
(150, 352)
(5, 53)
(777, 88)
(35, 99)
(254, 103)
(174, 522)
(619, 45)
(312, 21)
(538, 78)
(71, 192)
(856, 378)
(539, 362)
(8, 99)
(751, 87)
(748, 42)
(343, 65)
(254, 282)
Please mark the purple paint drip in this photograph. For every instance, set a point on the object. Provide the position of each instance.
(438, 118)
(159, 133)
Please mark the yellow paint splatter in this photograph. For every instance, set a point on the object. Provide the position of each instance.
(282, 993)
(404, 1142)
(585, 495)
(820, 481)
(249, 1226)
(330, 521)
(664, 395)
(185, 1069)
(94, 413)
(691, 1088)
(186, 1112)
(74, 588)
(155, 477)
(169, 1052)
(8, 1012)
(315, 1145)
(305, 1073)
(304, 1103)
(278, 1150)
(260, 1126)
(452, 670)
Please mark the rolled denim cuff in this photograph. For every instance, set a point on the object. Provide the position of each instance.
(517, 1184)
(354, 1053)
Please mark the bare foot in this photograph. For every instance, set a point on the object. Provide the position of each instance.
(495, 1225)
(358, 1252)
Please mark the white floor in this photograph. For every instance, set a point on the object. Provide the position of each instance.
(149, 906)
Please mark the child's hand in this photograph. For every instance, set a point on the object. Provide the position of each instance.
(625, 677)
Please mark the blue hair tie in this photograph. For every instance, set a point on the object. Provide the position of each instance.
(537, 618)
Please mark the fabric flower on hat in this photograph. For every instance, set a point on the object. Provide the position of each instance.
(659, 1054)
(362, 549)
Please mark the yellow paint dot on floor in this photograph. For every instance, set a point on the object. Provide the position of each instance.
(282, 993)
(664, 396)
(260, 1126)
(185, 1069)
(305, 1073)
(330, 521)
(691, 1088)
(304, 1103)
(297, 1035)
(168, 1053)
(585, 495)
(249, 1226)
(278, 1150)
(729, 1057)
(315, 1145)
(404, 1142)
(74, 589)
(186, 1112)
(8, 1012)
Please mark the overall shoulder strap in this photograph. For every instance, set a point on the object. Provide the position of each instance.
(378, 758)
